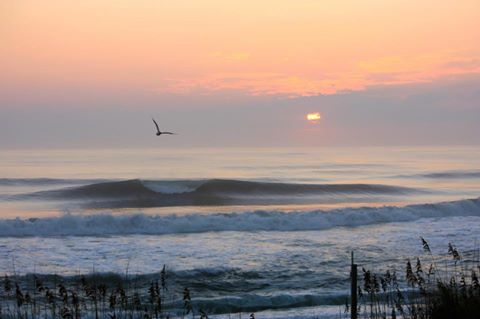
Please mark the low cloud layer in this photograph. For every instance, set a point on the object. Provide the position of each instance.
(440, 112)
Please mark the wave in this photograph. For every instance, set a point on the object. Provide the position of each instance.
(454, 174)
(46, 181)
(245, 187)
(263, 220)
(255, 302)
(459, 174)
(141, 193)
(137, 187)
(226, 303)
(223, 295)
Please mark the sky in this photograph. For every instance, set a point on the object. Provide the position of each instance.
(239, 73)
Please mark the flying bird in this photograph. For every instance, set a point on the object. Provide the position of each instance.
(160, 132)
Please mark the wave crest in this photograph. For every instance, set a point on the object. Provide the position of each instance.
(140, 193)
(107, 224)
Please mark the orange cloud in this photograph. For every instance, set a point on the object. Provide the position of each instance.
(258, 84)
(418, 68)
(390, 70)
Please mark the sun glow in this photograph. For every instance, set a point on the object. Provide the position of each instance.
(313, 117)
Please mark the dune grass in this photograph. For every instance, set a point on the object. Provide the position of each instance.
(93, 296)
(429, 287)
(448, 288)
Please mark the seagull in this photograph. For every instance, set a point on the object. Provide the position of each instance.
(158, 130)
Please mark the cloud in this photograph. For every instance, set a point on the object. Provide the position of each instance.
(444, 111)
(393, 70)
(384, 71)
(466, 64)
(259, 84)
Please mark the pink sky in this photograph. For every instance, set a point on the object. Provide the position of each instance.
(378, 71)
(285, 48)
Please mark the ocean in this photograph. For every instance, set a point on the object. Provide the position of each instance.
(266, 230)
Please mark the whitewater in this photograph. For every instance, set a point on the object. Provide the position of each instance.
(249, 230)
(261, 220)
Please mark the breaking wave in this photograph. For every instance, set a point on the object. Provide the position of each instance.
(262, 220)
(137, 187)
(141, 193)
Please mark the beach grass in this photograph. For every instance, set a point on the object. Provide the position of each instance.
(431, 286)
(443, 286)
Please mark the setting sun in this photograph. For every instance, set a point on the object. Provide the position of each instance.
(313, 117)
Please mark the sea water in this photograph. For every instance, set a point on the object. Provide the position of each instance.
(249, 230)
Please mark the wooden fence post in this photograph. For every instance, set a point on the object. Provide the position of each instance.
(353, 295)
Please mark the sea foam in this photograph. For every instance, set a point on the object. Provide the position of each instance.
(260, 220)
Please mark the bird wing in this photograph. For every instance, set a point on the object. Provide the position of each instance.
(158, 130)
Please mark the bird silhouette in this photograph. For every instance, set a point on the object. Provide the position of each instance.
(160, 132)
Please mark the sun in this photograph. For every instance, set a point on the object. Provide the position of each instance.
(313, 117)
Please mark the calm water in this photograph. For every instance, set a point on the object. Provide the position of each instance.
(267, 228)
